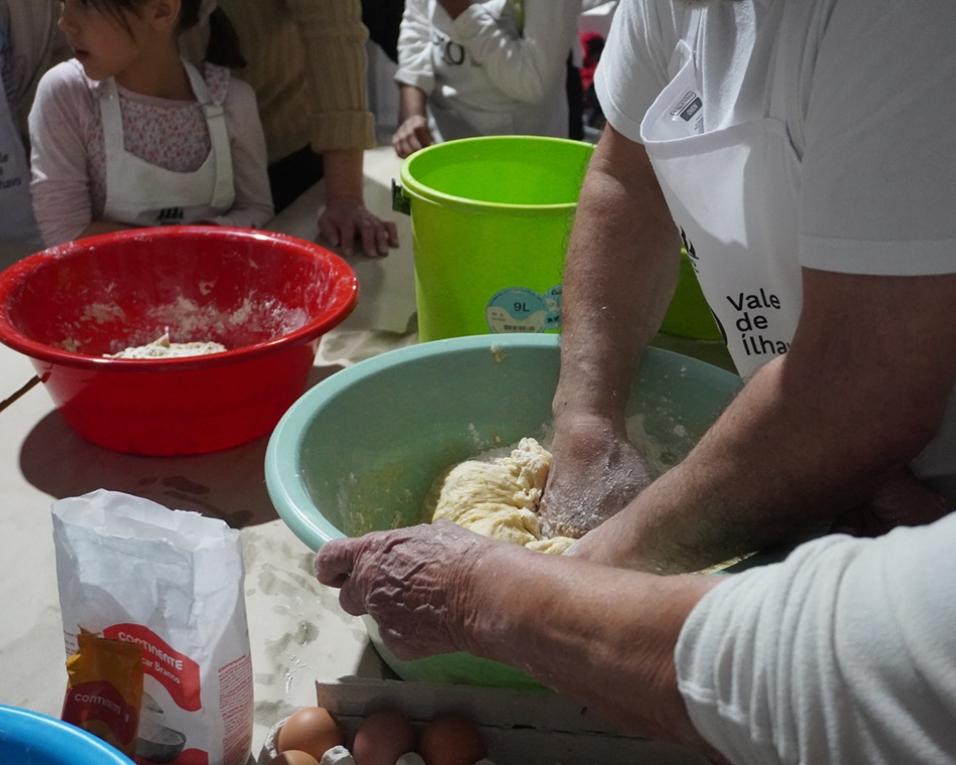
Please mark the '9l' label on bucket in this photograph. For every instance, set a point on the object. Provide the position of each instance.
(519, 309)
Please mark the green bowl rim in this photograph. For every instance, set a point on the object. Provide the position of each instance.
(412, 187)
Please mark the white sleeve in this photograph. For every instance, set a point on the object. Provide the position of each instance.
(524, 68)
(879, 165)
(415, 47)
(252, 207)
(633, 67)
(845, 653)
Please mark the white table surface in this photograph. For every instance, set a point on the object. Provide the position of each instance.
(297, 631)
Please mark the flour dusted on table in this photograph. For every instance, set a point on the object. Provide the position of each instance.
(170, 582)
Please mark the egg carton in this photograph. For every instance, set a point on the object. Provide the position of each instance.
(270, 749)
(517, 727)
(337, 756)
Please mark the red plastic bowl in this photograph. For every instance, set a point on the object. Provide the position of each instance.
(266, 297)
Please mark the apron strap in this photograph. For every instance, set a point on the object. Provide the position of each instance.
(113, 144)
(224, 189)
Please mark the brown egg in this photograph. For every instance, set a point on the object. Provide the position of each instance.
(292, 757)
(382, 738)
(451, 741)
(311, 730)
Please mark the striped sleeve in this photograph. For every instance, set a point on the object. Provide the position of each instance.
(336, 64)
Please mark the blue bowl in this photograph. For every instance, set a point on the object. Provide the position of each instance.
(31, 738)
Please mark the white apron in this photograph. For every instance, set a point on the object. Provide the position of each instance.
(735, 195)
(143, 194)
(468, 102)
(17, 225)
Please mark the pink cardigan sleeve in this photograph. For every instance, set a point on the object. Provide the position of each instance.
(60, 183)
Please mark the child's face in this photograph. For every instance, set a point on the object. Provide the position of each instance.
(100, 41)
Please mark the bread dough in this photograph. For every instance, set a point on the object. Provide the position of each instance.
(499, 497)
(162, 348)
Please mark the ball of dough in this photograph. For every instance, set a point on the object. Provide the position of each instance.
(499, 498)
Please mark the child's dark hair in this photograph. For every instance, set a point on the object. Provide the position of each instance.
(223, 48)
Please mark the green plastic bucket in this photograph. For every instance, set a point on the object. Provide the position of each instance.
(491, 219)
(689, 315)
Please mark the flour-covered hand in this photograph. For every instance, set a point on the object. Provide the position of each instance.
(595, 472)
(414, 582)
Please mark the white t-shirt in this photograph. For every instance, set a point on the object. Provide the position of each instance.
(490, 72)
(866, 97)
(843, 654)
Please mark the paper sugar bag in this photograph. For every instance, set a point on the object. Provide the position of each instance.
(172, 583)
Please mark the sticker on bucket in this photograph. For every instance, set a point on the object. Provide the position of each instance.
(518, 309)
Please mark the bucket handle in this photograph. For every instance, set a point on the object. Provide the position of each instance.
(400, 201)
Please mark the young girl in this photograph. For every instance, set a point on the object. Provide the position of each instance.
(482, 67)
(128, 134)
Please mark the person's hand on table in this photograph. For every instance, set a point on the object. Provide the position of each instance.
(596, 472)
(413, 582)
(413, 134)
(345, 220)
(345, 217)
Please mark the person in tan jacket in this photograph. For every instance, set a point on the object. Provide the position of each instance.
(307, 64)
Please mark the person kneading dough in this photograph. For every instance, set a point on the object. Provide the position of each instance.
(499, 498)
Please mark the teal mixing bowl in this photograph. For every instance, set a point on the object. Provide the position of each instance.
(359, 451)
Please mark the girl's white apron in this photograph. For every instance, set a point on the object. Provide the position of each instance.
(142, 194)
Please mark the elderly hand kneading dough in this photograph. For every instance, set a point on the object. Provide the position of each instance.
(843, 654)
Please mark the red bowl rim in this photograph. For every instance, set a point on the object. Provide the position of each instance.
(342, 304)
